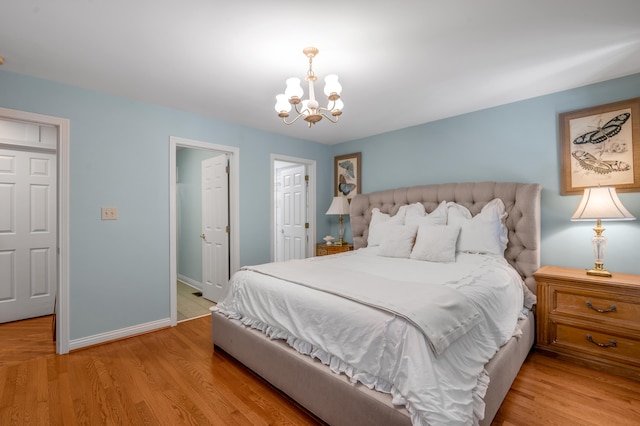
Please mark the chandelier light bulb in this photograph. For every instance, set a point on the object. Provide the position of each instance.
(282, 104)
(293, 90)
(332, 85)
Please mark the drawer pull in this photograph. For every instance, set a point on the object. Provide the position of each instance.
(612, 343)
(612, 308)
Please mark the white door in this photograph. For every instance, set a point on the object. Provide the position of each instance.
(215, 221)
(293, 213)
(28, 234)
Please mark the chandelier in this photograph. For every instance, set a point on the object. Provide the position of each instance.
(309, 109)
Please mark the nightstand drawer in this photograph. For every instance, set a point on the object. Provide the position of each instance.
(599, 343)
(601, 307)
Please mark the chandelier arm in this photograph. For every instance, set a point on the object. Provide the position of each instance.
(284, 119)
(298, 111)
(329, 118)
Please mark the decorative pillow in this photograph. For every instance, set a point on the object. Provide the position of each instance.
(436, 217)
(379, 224)
(485, 232)
(413, 210)
(398, 242)
(436, 243)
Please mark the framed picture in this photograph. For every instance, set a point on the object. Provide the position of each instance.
(347, 175)
(601, 146)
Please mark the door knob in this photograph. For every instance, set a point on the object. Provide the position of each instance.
(204, 237)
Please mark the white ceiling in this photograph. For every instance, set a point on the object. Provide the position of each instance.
(401, 63)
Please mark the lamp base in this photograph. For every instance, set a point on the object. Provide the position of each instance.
(598, 271)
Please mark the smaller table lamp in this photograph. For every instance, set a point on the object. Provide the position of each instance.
(339, 206)
(600, 203)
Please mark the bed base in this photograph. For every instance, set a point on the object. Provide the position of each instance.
(332, 397)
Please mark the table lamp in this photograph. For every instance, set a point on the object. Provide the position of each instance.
(600, 203)
(339, 206)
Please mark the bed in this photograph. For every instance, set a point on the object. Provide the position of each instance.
(335, 398)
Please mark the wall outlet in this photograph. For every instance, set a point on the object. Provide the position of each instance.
(109, 213)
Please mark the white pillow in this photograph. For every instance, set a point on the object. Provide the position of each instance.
(413, 210)
(436, 243)
(379, 224)
(436, 217)
(398, 242)
(482, 233)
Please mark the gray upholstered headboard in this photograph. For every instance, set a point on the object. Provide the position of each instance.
(522, 202)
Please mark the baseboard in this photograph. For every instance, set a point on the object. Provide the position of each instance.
(118, 334)
(191, 283)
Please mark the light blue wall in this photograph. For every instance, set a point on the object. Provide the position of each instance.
(119, 273)
(119, 156)
(514, 142)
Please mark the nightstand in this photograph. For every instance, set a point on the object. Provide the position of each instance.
(324, 250)
(593, 321)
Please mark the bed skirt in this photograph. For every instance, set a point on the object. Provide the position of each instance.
(332, 397)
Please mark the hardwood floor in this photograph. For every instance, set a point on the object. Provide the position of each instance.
(173, 377)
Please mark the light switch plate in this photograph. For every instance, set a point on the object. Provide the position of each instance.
(109, 213)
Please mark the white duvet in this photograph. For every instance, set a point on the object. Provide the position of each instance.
(381, 349)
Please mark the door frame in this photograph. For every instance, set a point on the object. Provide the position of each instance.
(63, 155)
(311, 200)
(234, 211)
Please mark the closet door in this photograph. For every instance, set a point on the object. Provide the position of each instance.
(28, 234)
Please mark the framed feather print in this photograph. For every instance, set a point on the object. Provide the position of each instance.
(601, 146)
(347, 175)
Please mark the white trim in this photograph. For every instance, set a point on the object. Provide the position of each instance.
(311, 168)
(190, 282)
(63, 154)
(110, 336)
(234, 210)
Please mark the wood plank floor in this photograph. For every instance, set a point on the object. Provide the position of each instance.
(173, 377)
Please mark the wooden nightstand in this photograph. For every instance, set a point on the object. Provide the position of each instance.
(324, 250)
(594, 321)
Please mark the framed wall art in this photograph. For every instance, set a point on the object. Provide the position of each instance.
(347, 175)
(600, 146)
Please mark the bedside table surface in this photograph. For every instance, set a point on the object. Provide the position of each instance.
(580, 275)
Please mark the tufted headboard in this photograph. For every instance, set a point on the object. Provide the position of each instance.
(522, 202)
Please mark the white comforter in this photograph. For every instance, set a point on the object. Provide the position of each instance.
(383, 350)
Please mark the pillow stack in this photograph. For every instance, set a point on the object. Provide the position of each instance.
(438, 236)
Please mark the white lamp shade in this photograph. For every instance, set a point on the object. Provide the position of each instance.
(339, 205)
(293, 88)
(332, 85)
(282, 103)
(601, 203)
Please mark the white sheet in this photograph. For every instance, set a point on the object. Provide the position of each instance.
(385, 351)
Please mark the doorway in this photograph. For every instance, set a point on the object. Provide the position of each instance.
(196, 249)
(39, 145)
(293, 208)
